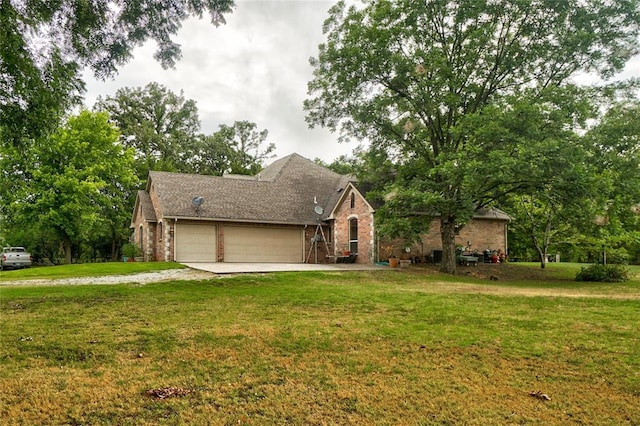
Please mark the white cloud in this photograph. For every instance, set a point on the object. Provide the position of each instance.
(256, 68)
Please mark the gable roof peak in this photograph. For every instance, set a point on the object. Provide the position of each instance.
(294, 164)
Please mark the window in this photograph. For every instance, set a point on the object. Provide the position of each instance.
(353, 236)
(160, 236)
(353, 200)
(141, 237)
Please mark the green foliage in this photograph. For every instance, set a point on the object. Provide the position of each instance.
(465, 96)
(615, 153)
(131, 250)
(163, 130)
(43, 244)
(591, 201)
(237, 149)
(46, 44)
(604, 273)
(156, 123)
(343, 165)
(74, 186)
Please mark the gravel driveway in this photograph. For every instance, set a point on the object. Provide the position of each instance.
(142, 278)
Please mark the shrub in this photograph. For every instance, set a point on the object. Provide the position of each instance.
(604, 273)
(131, 250)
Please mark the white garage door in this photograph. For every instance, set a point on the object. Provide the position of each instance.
(196, 242)
(257, 244)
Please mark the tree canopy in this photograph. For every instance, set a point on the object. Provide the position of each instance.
(591, 204)
(237, 149)
(74, 185)
(470, 99)
(46, 44)
(163, 129)
(155, 122)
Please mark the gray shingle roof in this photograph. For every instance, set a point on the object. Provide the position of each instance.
(144, 201)
(284, 192)
(491, 213)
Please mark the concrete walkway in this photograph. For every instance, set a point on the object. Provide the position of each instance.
(240, 268)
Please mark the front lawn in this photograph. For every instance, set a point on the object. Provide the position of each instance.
(321, 348)
(77, 270)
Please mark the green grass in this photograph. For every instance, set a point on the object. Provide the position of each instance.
(381, 348)
(85, 270)
(566, 270)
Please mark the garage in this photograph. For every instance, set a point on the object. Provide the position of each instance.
(263, 244)
(196, 242)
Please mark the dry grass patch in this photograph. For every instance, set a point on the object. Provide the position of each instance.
(315, 349)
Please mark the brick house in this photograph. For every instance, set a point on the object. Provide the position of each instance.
(486, 232)
(293, 211)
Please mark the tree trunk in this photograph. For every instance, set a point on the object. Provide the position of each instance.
(67, 250)
(114, 246)
(114, 254)
(448, 236)
(543, 258)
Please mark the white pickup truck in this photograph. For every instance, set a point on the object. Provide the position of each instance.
(15, 257)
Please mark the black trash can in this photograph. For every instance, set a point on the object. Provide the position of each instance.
(437, 256)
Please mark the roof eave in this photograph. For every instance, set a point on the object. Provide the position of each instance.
(332, 215)
(228, 220)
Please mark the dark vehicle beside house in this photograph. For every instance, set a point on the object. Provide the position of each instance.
(15, 257)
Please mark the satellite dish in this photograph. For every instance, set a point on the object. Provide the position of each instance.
(318, 209)
(197, 201)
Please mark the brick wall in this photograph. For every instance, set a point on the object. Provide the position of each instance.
(164, 249)
(159, 237)
(150, 234)
(358, 210)
(148, 230)
(161, 242)
(324, 247)
(483, 234)
(169, 245)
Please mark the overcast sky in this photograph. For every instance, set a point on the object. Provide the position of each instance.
(255, 68)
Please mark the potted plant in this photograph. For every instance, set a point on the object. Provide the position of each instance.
(388, 251)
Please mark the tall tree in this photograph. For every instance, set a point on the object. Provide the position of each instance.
(615, 153)
(237, 149)
(425, 81)
(343, 165)
(163, 129)
(247, 146)
(157, 123)
(592, 196)
(45, 45)
(75, 182)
